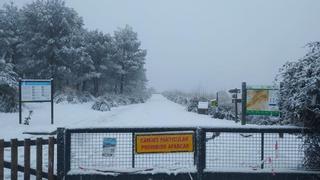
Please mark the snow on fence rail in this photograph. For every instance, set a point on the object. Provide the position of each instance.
(215, 149)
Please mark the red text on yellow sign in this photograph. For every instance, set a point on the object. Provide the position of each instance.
(164, 143)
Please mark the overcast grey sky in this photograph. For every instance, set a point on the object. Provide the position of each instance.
(209, 44)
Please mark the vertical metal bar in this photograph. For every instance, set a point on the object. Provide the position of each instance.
(50, 158)
(133, 149)
(27, 159)
(60, 153)
(201, 152)
(195, 153)
(39, 159)
(244, 103)
(20, 103)
(14, 159)
(1, 159)
(67, 151)
(52, 88)
(262, 150)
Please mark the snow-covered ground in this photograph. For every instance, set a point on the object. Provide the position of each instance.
(156, 112)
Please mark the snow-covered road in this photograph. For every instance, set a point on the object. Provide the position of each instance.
(156, 112)
(159, 112)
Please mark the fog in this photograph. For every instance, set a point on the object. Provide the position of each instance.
(209, 45)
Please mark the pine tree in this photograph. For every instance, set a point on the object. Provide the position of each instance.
(46, 39)
(99, 47)
(8, 87)
(49, 27)
(129, 58)
(10, 33)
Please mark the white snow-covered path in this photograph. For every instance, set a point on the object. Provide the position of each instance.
(160, 112)
(156, 112)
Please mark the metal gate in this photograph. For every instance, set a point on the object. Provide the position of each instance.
(223, 153)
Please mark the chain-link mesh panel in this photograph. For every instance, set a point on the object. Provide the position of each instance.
(103, 151)
(232, 150)
(166, 160)
(283, 151)
(254, 151)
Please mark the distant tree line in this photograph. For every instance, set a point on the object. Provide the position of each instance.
(47, 39)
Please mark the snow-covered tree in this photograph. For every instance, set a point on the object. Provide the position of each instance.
(46, 39)
(300, 99)
(129, 58)
(8, 87)
(10, 29)
(300, 89)
(99, 46)
(48, 30)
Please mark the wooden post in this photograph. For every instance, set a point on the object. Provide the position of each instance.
(39, 159)
(1, 159)
(50, 158)
(27, 159)
(244, 104)
(236, 106)
(14, 159)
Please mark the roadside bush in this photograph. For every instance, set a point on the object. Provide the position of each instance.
(101, 105)
(108, 101)
(73, 96)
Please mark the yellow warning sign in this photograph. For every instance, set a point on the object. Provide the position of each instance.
(164, 143)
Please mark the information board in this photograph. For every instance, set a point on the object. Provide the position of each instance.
(203, 105)
(262, 101)
(35, 91)
(164, 143)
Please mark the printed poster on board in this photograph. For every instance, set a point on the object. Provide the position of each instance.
(262, 101)
(109, 147)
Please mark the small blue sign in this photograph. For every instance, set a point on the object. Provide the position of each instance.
(36, 83)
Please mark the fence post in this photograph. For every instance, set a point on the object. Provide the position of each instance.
(60, 154)
(133, 149)
(67, 151)
(26, 159)
(201, 152)
(50, 158)
(262, 150)
(1, 159)
(39, 159)
(14, 159)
